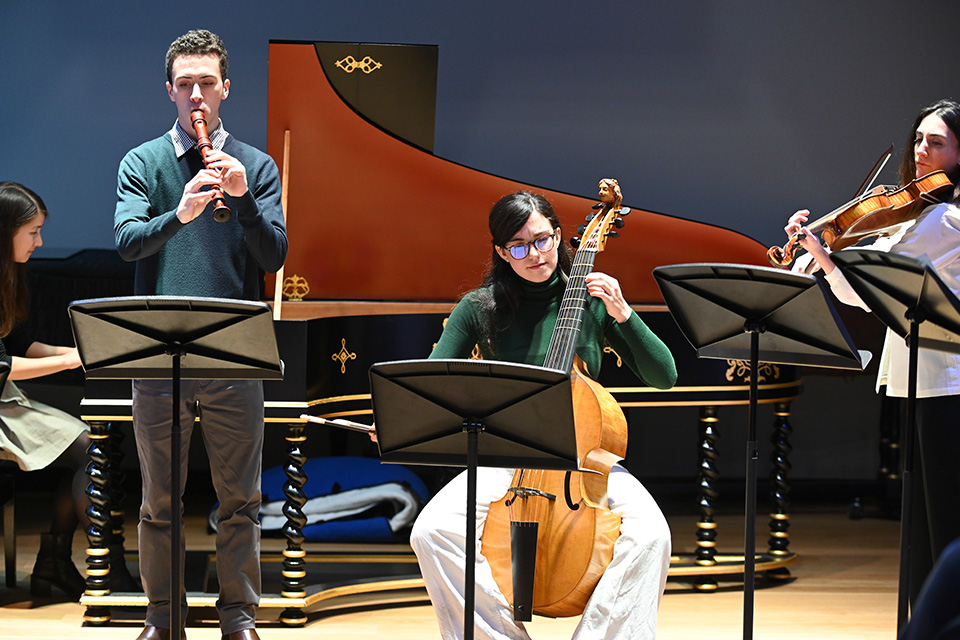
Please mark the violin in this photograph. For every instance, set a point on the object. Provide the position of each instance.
(879, 212)
(551, 537)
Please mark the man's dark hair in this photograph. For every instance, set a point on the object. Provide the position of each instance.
(198, 42)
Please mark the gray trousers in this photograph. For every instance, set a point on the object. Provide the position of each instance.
(231, 422)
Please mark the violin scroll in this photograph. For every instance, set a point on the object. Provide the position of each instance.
(783, 256)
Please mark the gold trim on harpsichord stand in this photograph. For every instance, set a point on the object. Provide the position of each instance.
(367, 65)
(740, 370)
(295, 288)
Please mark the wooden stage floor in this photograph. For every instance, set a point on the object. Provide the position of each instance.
(844, 586)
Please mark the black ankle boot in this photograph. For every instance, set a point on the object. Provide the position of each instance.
(121, 580)
(54, 567)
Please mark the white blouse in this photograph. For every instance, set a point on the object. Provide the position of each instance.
(935, 235)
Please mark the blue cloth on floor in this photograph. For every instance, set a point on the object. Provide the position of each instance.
(349, 499)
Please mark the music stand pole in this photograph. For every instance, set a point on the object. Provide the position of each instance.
(722, 309)
(433, 412)
(906, 501)
(146, 337)
(175, 490)
(750, 500)
(908, 296)
(473, 430)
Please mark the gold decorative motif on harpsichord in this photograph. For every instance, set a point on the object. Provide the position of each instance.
(608, 349)
(344, 355)
(739, 371)
(367, 65)
(295, 288)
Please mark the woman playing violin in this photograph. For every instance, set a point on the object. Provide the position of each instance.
(511, 318)
(934, 145)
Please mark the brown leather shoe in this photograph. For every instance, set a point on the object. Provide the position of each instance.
(246, 634)
(151, 632)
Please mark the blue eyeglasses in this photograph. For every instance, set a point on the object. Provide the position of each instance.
(543, 244)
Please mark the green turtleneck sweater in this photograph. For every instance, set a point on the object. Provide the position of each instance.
(526, 340)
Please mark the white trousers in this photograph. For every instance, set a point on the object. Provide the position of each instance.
(625, 602)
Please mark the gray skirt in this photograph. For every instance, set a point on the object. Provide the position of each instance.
(33, 434)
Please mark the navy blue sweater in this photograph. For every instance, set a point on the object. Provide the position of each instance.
(203, 257)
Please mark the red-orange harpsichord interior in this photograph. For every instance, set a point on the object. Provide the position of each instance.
(371, 216)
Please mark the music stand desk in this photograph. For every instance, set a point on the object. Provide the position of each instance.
(742, 312)
(171, 338)
(433, 412)
(908, 296)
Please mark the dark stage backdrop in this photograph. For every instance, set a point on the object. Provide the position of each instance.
(731, 112)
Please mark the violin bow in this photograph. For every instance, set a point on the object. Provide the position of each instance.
(877, 168)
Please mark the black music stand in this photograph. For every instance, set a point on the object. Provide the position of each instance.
(171, 338)
(909, 297)
(722, 310)
(433, 411)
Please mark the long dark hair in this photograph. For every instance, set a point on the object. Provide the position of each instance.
(500, 294)
(949, 112)
(18, 206)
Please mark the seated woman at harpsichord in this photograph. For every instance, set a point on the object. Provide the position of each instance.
(34, 435)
